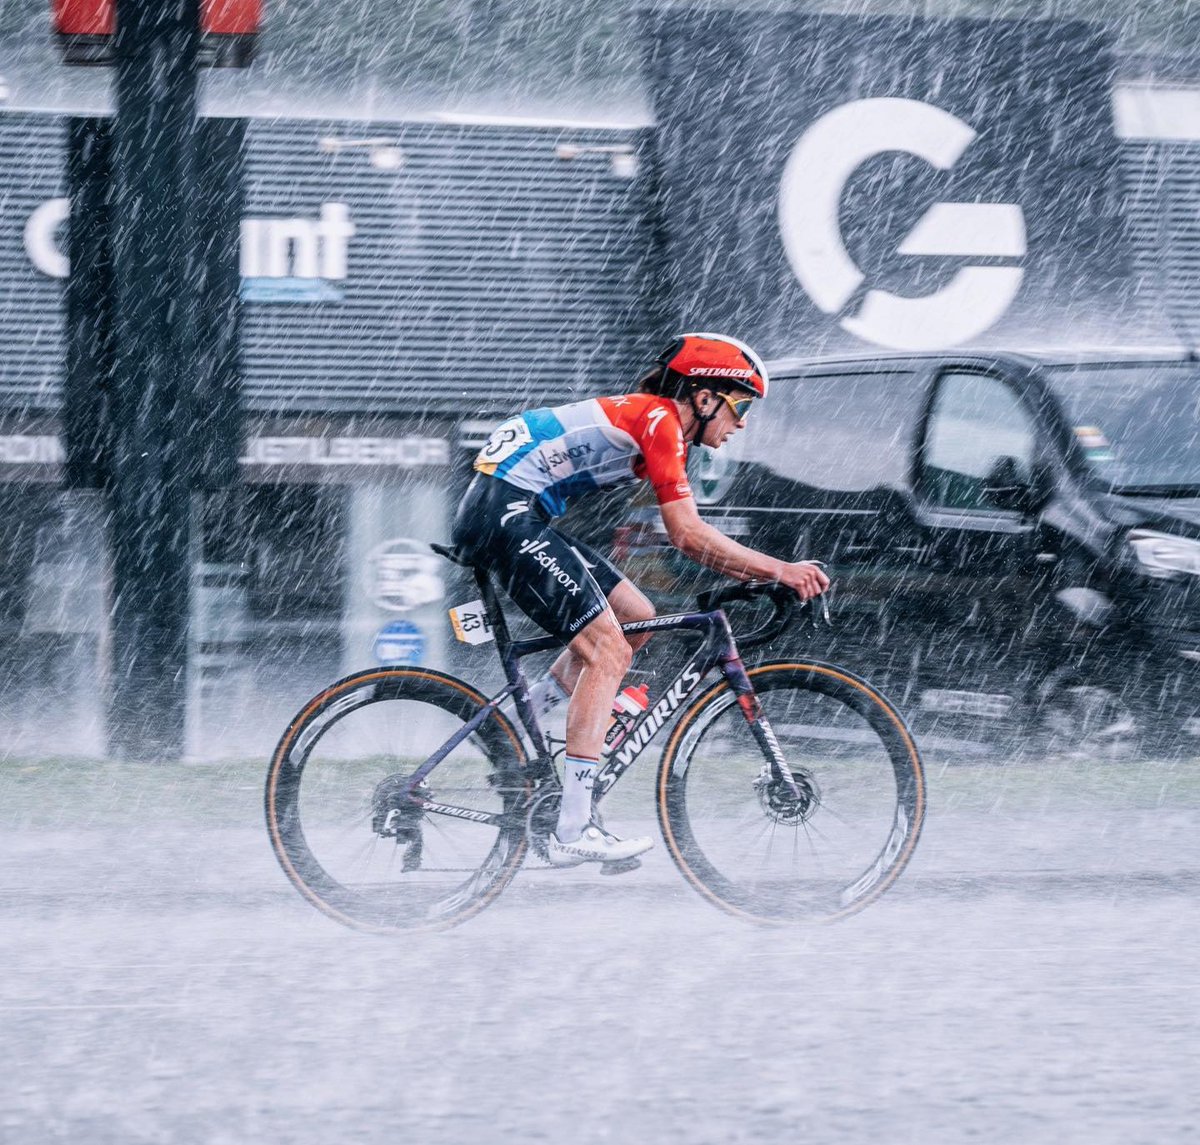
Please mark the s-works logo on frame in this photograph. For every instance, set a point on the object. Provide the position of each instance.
(810, 193)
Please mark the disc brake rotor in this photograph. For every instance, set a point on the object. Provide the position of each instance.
(783, 804)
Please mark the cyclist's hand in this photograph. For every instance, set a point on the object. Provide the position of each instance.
(806, 577)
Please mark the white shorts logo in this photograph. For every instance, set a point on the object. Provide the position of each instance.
(547, 561)
(816, 173)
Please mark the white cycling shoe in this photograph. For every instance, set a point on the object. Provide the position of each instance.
(595, 845)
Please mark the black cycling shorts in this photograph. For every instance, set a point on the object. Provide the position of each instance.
(558, 582)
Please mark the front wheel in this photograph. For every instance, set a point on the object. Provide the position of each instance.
(816, 850)
(366, 844)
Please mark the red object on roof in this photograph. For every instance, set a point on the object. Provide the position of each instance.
(228, 31)
(84, 17)
(231, 17)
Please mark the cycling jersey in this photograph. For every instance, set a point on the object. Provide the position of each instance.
(561, 452)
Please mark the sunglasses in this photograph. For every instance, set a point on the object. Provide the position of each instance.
(740, 406)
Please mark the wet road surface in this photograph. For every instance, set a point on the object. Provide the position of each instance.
(1032, 979)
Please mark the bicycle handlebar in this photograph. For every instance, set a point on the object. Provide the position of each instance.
(783, 600)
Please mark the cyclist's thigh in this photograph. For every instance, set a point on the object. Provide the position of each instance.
(605, 573)
(627, 600)
(550, 582)
(541, 569)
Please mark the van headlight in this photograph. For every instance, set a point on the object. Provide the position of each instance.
(1165, 555)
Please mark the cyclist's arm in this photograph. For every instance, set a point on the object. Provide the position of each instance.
(697, 539)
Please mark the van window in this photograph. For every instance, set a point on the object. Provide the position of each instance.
(979, 433)
(838, 431)
(1138, 422)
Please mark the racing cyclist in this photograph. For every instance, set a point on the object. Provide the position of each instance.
(699, 392)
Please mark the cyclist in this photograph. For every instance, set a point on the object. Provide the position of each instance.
(699, 391)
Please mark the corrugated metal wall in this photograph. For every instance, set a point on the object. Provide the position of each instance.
(485, 271)
(32, 172)
(1163, 211)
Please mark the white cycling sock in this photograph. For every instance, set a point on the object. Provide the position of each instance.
(546, 694)
(579, 776)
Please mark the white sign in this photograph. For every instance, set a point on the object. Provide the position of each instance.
(399, 452)
(295, 248)
(403, 574)
(816, 174)
(41, 238)
(298, 247)
(31, 449)
(470, 623)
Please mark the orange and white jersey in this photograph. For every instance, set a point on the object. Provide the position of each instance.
(565, 451)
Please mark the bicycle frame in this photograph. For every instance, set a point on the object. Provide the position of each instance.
(717, 649)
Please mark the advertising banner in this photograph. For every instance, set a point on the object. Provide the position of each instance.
(834, 182)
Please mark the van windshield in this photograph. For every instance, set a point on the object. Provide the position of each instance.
(1139, 424)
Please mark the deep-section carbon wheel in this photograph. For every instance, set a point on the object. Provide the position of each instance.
(760, 848)
(364, 844)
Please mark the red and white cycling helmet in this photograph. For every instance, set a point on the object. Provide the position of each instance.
(715, 361)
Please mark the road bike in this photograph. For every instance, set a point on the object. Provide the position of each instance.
(788, 791)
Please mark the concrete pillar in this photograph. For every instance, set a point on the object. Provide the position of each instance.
(387, 563)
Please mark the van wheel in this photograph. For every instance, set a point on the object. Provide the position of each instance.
(1076, 721)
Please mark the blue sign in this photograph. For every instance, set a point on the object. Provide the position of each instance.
(290, 289)
(400, 642)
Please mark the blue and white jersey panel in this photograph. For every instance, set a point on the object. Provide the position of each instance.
(561, 453)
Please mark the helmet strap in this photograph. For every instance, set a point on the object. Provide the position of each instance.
(702, 419)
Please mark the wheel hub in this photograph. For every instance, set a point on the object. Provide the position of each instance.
(396, 813)
(780, 802)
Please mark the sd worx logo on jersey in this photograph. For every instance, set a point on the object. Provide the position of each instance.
(810, 195)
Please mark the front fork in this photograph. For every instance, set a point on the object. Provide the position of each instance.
(760, 727)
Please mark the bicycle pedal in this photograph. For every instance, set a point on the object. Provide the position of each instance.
(621, 867)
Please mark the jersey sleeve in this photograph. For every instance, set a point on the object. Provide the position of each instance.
(664, 460)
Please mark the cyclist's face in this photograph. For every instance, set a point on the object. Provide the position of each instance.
(731, 412)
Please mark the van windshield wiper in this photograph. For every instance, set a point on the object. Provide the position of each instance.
(1156, 490)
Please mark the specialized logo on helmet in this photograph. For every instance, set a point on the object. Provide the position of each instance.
(718, 372)
(816, 174)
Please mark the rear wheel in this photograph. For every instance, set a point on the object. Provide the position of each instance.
(364, 844)
(758, 847)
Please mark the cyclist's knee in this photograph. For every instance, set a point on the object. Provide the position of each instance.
(602, 645)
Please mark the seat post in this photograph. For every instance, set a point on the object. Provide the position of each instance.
(491, 604)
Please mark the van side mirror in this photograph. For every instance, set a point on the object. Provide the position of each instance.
(1005, 488)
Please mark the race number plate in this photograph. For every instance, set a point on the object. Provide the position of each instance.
(504, 442)
(471, 624)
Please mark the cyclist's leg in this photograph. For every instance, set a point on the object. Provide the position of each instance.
(549, 578)
(628, 604)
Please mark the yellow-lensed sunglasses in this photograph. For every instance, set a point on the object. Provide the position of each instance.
(740, 406)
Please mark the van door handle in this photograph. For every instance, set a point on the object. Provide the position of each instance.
(1046, 558)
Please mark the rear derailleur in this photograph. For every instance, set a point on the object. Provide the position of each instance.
(396, 813)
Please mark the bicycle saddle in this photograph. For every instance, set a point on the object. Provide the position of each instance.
(452, 553)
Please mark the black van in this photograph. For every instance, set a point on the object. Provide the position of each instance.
(1014, 540)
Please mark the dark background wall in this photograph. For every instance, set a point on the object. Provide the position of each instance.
(484, 271)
